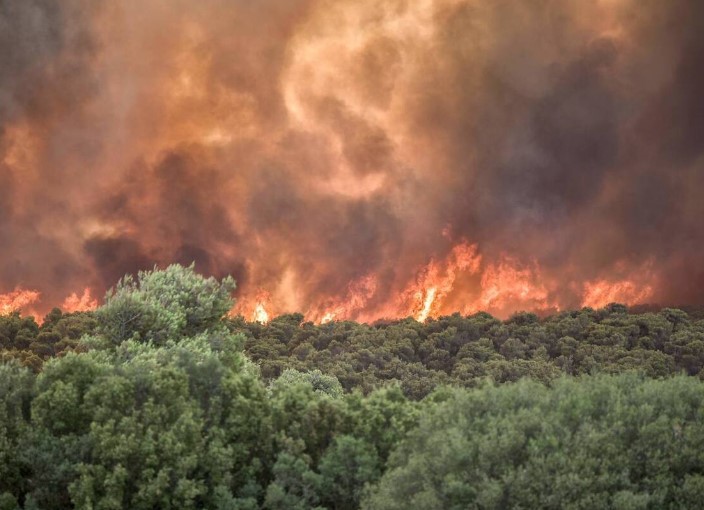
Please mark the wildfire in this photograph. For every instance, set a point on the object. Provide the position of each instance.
(359, 161)
(18, 299)
(358, 295)
(83, 303)
(256, 309)
(436, 280)
(260, 314)
(427, 303)
(23, 300)
(630, 286)
(600, 293)
(499, 287)
(508, 284)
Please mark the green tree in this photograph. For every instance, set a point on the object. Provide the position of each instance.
(595, 442)
(164, 304)
(325, 384)
(347, 466)
(295, 485)
(16, 387)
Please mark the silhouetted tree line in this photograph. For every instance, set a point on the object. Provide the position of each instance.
(156, 400)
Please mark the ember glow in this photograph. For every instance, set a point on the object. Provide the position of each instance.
(355, 159)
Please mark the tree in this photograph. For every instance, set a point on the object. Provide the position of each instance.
(595, 442)
(347, 466)
(164, 304)
(16, 386)
(295, 485)
(321, 383)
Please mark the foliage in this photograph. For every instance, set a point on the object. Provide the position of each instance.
(16, 387)
(454, 350)
(326, 384)
(597, 442)
(164, 304)
(157, 400)
(21, 339)
(465, 351)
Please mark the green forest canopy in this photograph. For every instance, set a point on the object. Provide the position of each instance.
(157, 400)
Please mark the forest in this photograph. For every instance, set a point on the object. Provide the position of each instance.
(160, 400)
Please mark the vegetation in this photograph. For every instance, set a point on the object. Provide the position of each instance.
(598, 442)
(465, 351)
(157, 400)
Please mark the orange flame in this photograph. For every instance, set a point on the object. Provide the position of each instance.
(256, 309)
(633, 287)
(358, 295)
(500, 287)
(510, 285)
(82, 303)
(427, 303)
(17, 300)
(436, 280)
(260, 314)
(600, 293)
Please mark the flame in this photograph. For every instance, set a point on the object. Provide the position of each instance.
(510, 285)
(499, 287)
(328, 317)
(427, 303)
(629, 287)
(23, 299)
(421, 299)
(437, 280)
(260, 314)
(17, 300)
(599, 293)
(358, 295)
(256, 309)
(83, 303)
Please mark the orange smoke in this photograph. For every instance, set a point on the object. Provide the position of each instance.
(355, 159)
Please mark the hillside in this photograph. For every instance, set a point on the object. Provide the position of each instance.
(420, 356)
(157, 400)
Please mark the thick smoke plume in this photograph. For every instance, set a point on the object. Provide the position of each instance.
(355, 158)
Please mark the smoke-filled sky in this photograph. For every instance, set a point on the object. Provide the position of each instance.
(355, 158)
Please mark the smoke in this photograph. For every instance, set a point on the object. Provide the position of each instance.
(341, 158)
